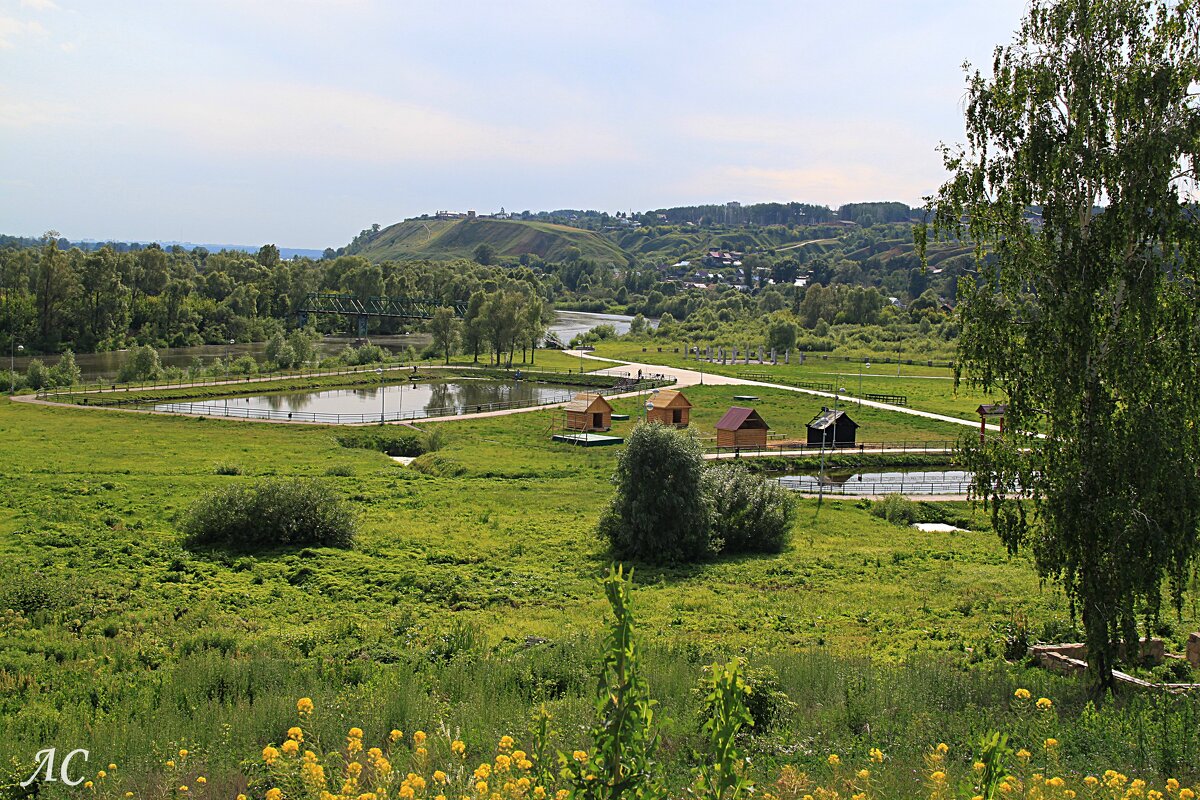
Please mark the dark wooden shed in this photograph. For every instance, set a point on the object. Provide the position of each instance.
(589, 412)
(669, 407)
(741, 427)
(834, 428)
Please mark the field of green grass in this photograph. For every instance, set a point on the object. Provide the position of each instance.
(471, 596)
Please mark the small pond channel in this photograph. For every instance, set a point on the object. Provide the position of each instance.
(891, 481)
(393, 402)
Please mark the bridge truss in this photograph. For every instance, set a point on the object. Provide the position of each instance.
(362, 309)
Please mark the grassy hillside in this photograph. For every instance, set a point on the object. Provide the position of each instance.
(440, 238)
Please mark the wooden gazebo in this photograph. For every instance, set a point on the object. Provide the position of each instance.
(589, 412)
(742, 427)
(669, 407)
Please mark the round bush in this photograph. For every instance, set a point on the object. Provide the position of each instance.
(271, 513)
(659, 513)
(749, 514)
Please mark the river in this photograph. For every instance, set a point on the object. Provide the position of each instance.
(106, 366)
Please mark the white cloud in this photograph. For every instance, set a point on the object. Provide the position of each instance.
(12, 30)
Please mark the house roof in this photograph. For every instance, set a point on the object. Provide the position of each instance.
(827, 417)
(670, 398)
(589, 403)
(992, 410)
(738, 417)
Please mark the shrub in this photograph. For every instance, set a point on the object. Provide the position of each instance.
(271, 513)
(749, 514)
(225, 468)
(897, 509)
(66, 372)
(658, 513)
(392, 441)
(37, 376)
(140, 365)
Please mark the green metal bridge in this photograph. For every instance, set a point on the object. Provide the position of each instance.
(362, 309)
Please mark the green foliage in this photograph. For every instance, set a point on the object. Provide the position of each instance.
(270, 513)
(1088, 323)
(227, 468)
(140, 365)
(994, 753)
(722, 776)
(36, 375)
(749, 514)
(66, 372)
(658, 513)
(620, 764)
(386, 439)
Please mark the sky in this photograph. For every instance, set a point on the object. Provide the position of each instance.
(301, 122)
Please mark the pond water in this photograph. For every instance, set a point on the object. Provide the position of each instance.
(893, 481)
(395, 401)
(106, 366)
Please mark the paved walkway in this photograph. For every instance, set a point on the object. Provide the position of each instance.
(691, 377)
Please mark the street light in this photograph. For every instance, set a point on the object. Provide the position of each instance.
(379, 372)
(861, 367)
(227, 369)
(12, 369)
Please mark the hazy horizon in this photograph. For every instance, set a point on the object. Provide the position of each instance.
(303, 122)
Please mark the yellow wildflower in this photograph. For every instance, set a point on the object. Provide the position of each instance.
(979, 766)
(396, 735)
(506, 743)
(834, 760)
(1023, 754)
(1055, 782)
(274, 794)
(503, 763)
(977, 797)
(876, 755)
(101, 774)
(943, 748)
(88, 784)
(170, 763)
(1172, 785)
(483, 771)
(129, 794)
(481, 787)
(242, 797)
(355, 733)
(1051, 743)
(421, 752)
(112, 767)
(561, 794)
(200, 779)
(295, 733)
(183, 788)
(290, 748)
(1022, 694)
(354, 769)
(1005, 788)
(407, 792)
(304, 705)
(458, 748)
(1091, 780)
(581, 756)
(863, 774)
(1154, 794)
(1186, 794)
(269, 755)
(183, 753)
(419, 738)
(1044, 704)
(439, 776)
(539, 792)
(938, 777)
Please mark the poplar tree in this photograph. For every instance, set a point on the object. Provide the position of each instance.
(1077, 186)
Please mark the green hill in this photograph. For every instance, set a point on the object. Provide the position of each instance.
(458, 238)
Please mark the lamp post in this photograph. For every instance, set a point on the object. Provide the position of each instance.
(228, 366)
(861, 367)
(824, 432)
(382, 396)
(12, 369)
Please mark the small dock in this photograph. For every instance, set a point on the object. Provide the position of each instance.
(587, 439)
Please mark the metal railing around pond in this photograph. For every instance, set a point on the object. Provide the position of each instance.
(802, 449)
(856, 488)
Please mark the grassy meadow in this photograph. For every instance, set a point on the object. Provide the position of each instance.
(471, 597)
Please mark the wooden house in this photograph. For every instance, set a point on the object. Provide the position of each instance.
(835, 428)
(741, 427)
(589, 412)
(669, 407)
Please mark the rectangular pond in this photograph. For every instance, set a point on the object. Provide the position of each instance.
(892, 481)
(390, 403)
